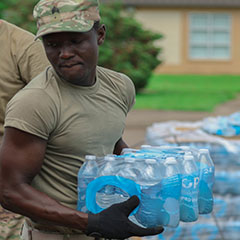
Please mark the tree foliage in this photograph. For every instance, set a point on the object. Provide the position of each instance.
(128, 47)
(19, 13)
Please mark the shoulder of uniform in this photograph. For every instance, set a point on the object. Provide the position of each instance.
(111, 73)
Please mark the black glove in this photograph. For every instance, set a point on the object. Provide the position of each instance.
(113, 222)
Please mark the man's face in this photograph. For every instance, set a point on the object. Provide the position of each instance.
(74, 55)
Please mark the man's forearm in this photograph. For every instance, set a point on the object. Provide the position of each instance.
(36, 205)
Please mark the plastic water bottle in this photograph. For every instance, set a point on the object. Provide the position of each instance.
(107, 166)
(150, 211)
(161, 149)
(126, 151)
(205, 196)
(171, 191)
(162, 152)
(116, 183)
(150, 172)
(128, 169)
(190, 188)
(131, 169)
(160, 199)
(107, 195)
(86, 174)
(110, 187)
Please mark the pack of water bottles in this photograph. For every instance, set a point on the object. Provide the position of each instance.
(224, 220)
(222, 224)
(226, 208)
(223, 151)
(203, 229)
(173, 184)
(227, 182)
(227, 126)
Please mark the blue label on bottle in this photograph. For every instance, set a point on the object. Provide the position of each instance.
(189, 197)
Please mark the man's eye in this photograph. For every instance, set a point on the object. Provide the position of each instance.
(76, 41)
(51, 44)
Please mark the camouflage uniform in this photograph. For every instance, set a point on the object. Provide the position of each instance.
(10, 225)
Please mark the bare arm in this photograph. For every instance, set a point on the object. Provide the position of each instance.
(120, 144)
(21, 157)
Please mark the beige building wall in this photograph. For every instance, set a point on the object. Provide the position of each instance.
(174, 25)
(155, 20)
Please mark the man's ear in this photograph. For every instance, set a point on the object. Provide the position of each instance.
(101, 34)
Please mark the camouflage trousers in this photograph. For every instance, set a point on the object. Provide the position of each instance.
(10, 225)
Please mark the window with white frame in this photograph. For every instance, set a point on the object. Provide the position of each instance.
(209, 36)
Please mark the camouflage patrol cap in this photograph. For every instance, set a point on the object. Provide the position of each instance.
(65, 16)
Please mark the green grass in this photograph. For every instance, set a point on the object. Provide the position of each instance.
(188, 92)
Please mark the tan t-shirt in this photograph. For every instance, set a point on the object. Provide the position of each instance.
(21, 59)
(75, 121)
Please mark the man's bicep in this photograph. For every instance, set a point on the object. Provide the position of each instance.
(21, 156)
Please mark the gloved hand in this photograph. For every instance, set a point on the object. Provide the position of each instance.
(113, 222)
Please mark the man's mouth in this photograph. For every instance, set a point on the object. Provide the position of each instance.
(69, 65)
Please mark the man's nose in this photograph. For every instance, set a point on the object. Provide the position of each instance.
(66, 52)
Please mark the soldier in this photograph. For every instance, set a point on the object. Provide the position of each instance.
(21, 59)
(78, 109)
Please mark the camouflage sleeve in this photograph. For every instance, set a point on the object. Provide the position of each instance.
(10, 225)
